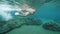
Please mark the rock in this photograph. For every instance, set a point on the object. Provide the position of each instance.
(33, 21)
(2, 23)
(52, 26)
(17, 23)
(9, 26)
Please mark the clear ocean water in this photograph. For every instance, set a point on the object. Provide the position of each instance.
(47, 12)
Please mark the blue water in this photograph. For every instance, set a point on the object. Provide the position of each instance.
(48, 12)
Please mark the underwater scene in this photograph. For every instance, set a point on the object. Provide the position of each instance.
(29, 16)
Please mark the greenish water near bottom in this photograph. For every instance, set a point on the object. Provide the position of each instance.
(32, 30)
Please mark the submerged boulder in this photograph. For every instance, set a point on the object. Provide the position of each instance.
(2, 23)
(52, 26)
(33, 21)
(17, 23)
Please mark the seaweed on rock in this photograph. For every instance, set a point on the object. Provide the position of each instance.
(33, 21)
(17, 23)
(52, 26)
(10, 25)
(2, 26)
(2, 23)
